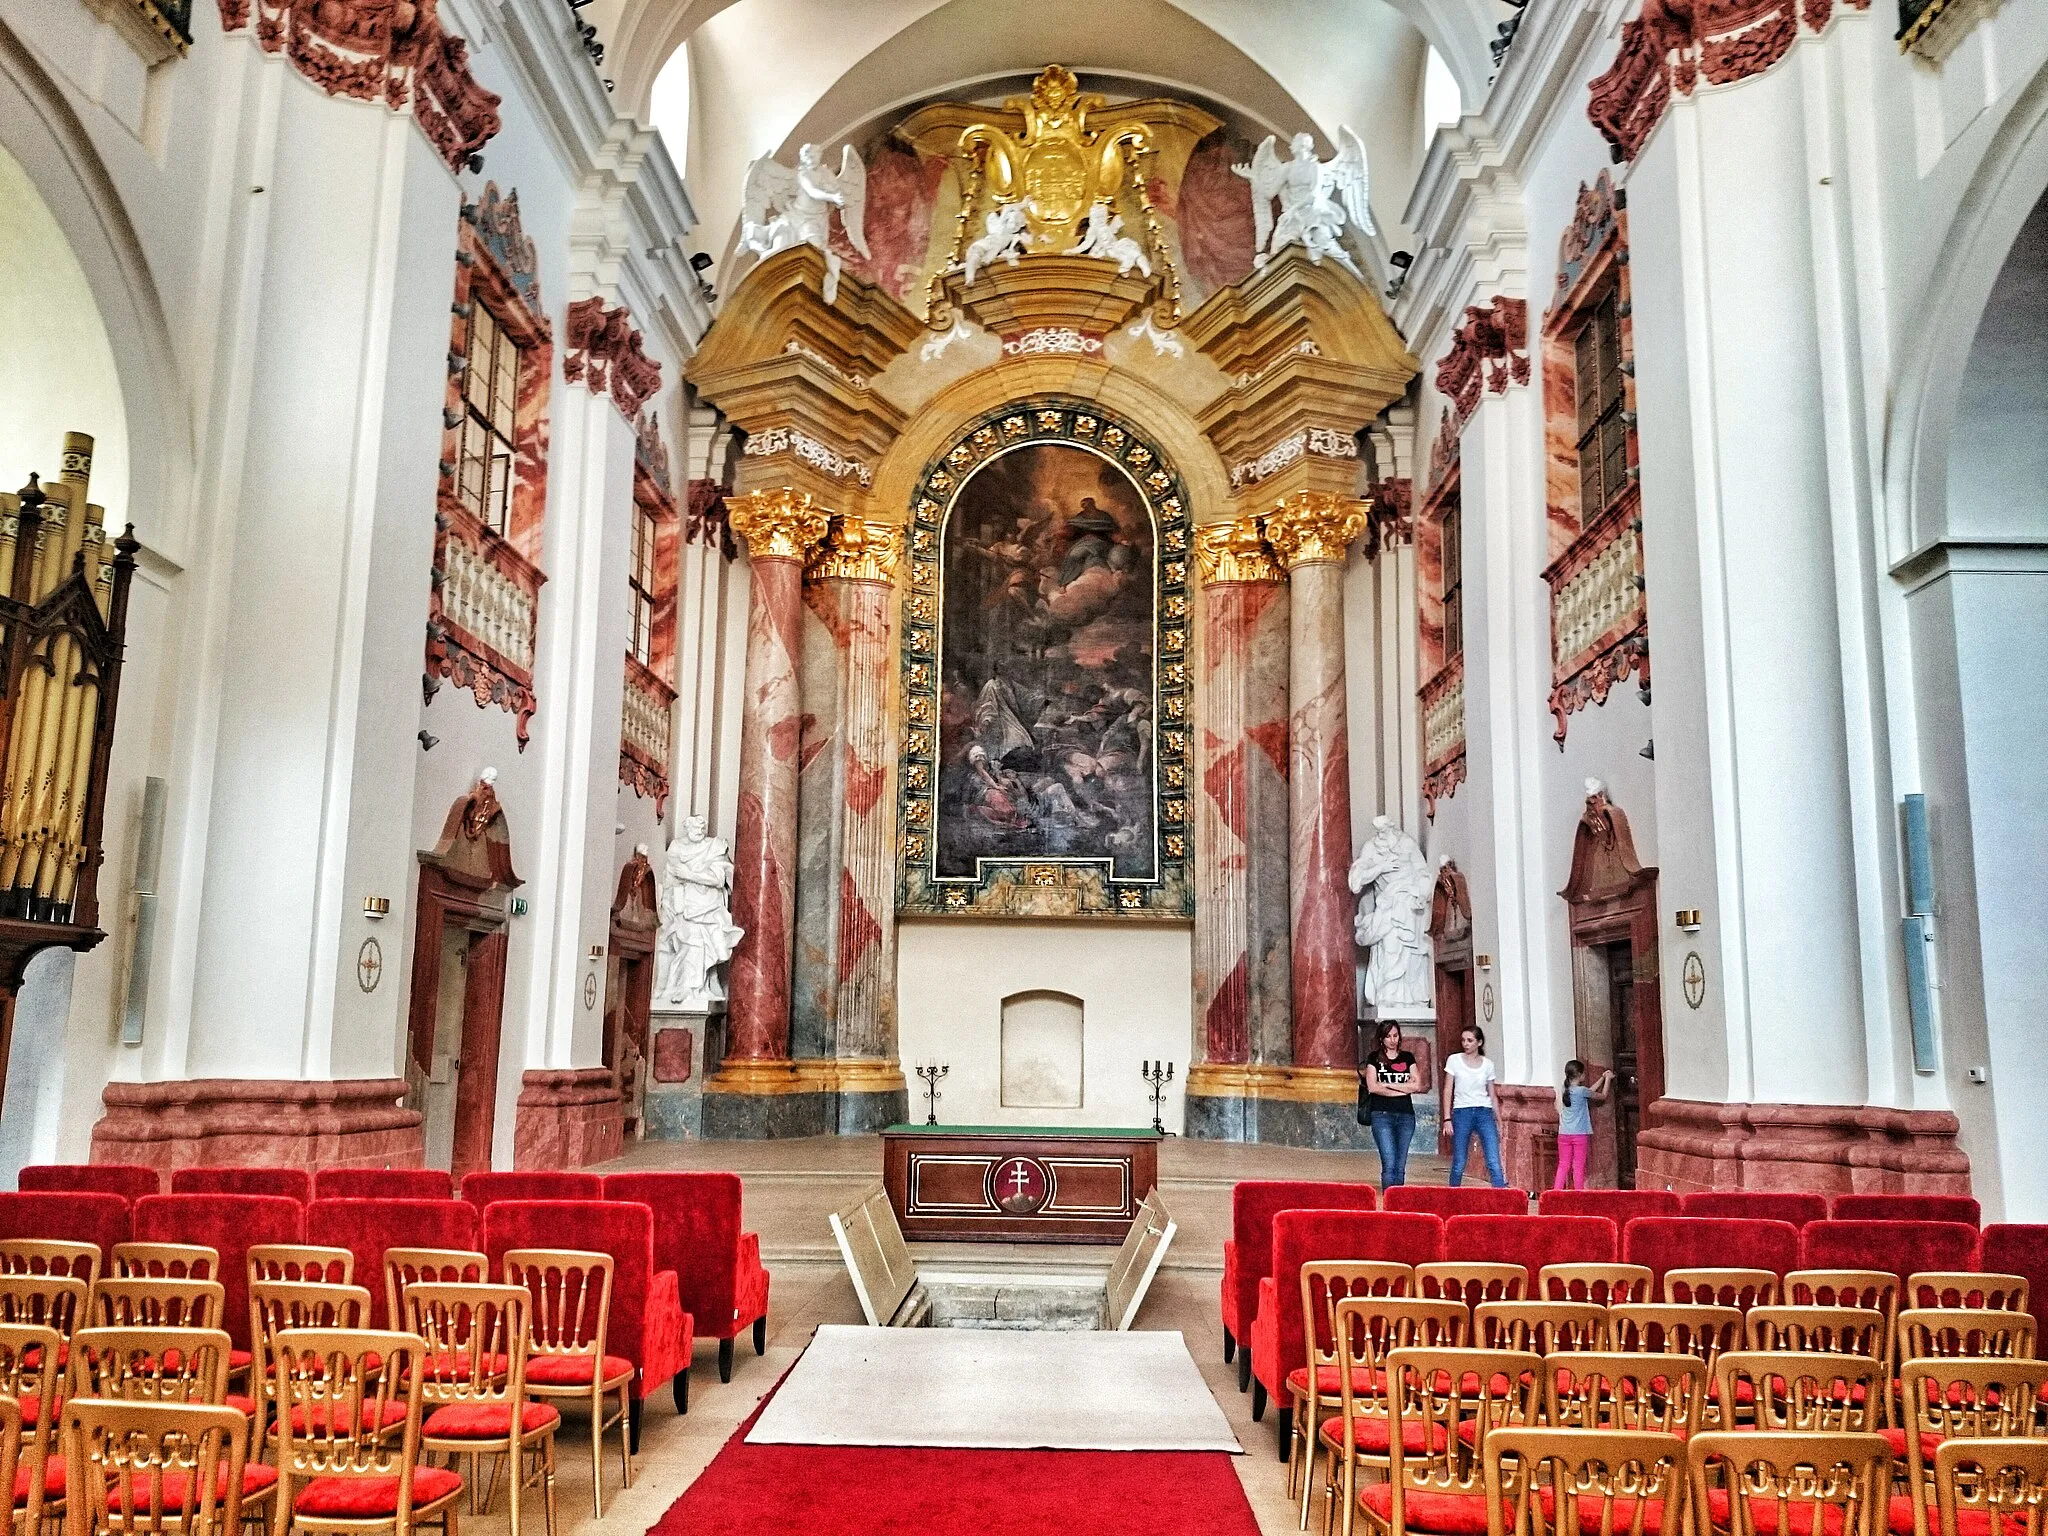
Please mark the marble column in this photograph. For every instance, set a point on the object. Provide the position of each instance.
(780, 527)
(1310, 532)
(844, 1024)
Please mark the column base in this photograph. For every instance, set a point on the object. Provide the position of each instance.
(1528, 1134)
(673, 1107)
(568, 1119)
(1278, 1106)
(1826, 1148)
(261, 1122)
(762, 1100)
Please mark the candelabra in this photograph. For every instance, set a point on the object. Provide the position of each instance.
(931, 1072)
(1158, 1074)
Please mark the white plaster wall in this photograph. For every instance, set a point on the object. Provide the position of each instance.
(1134, 981)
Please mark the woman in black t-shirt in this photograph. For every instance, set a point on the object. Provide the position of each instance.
(1386, 1084)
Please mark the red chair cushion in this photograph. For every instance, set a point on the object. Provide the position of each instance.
(239, 1359)
(453, 1365)
(1372, 1434)
(1439, 1514)
(390, 1413)
(256, 1478)
(1330, 1381)
(487, 1421)
(1930, 1442)
(371, 1498)
(572, 1370)
(245, 1406)
(53, 1481)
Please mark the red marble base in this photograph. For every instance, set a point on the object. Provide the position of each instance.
(1528, 1133)
(568, 1119)
(272, 1123)
(1827, 1148)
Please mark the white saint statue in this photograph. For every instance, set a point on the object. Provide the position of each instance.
(1396, 886)
(697, 932)
(786, 207)
(1316, 198)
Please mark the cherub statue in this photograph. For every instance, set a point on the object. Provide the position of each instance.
(1315, 197)
(1105, 239)
(1006, 239)
(786, 207)
(1395, 884)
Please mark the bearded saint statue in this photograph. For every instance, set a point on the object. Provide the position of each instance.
(697, 932)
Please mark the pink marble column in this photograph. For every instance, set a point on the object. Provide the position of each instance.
(780, 528)
(1311, 532)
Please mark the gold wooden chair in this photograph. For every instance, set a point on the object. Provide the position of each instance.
(48, 1301)
(2003, 1482)
(566, 1359)
(1743, 1483)
(475, 1392)
(1874, 1290)
(31, 1376)
(1608, 1482)
(304, 1262)
(1737, 1288)
(1472, 1283)
(160, 1303)
(340, 1470)
(1366, 1331)
(1664, 1328)
(34, 1256)
(1432, 1394)
(1625, 1394)
(1950, 1288)
(10, 1447)
(153, 1468)
(429, 1266)
(1540, 1327)
(1607, 1284)
(164, 1261)
(276, 1306)
(1962, 1399)
(1823, 1330)
(1800, 1391)
(1965, 1333)
(152, 1365)
(1312, 1389)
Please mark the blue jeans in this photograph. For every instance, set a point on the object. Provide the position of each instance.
(1465, 1124)
(1391, 1134)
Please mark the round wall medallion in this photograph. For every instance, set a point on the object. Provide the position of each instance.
(369, 965)
(590, 989)
(1694, 974)
(1486, 1001)
(1020, 1186)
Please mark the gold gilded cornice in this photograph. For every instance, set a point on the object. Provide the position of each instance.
(1314, 527)
(858, 549)
(1235, 551)
(779, 524)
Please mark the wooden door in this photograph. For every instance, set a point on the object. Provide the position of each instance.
(476, 1086)
(1454, 1011)
(1626, 1096)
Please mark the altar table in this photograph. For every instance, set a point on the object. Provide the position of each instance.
(1017, 1184)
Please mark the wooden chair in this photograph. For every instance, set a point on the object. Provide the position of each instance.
(1965, 1333)
(31, 1378)
(1625, 1394)
(1607, 1284)
(1800, 1391)
(1742, 1482)
(1540, 1327)
(155, 1365)
(1875, 1290)
(1432, 1491)
(1825, 1330)
(475, 1392)
(10, 1448)
(339, 1470)
(432, 1266)
(1962, 1400)
(1610, 1482)
(166, 1303)
(1737, 1288)
(162, 1261)
(2003, 1482)
(1366, 1330)
(1665, 1329)
(49, 1301)
(1949, 1288)
(31, 1256)
(280, 1306)
(1312, 1389)
(155, 1468)
(1472, 1283)
(572, 1299)
(301, 1261)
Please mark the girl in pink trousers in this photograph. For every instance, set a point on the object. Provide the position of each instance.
(1575, 1123)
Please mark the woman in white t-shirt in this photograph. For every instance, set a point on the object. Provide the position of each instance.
(1468, 1086)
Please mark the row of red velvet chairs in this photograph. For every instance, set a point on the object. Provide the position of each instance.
(683, 1268)
(132, 1181)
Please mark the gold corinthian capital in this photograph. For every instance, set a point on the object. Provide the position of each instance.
(1235, 551)
(1314, 527)
(858, 549)
(781, 524)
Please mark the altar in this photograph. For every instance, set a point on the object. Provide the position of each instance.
(1017, 1184)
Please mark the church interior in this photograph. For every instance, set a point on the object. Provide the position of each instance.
(915, 872)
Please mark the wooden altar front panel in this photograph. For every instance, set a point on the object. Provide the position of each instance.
(1017, 1184)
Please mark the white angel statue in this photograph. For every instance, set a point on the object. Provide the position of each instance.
(1106, 239)
(1005, 239)
(1315, 197)
(786, 207)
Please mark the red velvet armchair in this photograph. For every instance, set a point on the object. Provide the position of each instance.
(2015, 1248)
(1393, 1237)
(481, 1189)
(1248, 1251)
(1622, 1206)
(1531, 1241)
(367, 1227)
(286, 1183)
(229, 1224)
(1904, 1248)
(1465, 1200)
(383, 1184)
(648, 1325)
(1906, 1208)
(66, 1217)
(717, 1266)
(131, 1181)
(1661, 1243)
(1756, 1205)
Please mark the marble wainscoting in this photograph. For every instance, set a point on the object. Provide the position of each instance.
(746, 1101)
(1528, 1134)
(274, 1123)
(568, 1118)
(1687, 1144)
(674, 1108)
(1283, 1106)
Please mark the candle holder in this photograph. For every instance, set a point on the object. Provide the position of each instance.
(931, 1072)
(1158, 1074)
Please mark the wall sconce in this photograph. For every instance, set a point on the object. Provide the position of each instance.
(376, 906)
(516, 906)
(1484, 962)
(597, 951)
(1688, 919)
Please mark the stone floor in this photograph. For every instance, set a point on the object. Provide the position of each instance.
(790, 1187)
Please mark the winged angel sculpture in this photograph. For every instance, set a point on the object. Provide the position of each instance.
(786, 206)
(1316, 197)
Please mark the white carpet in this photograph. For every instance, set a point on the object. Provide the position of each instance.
(985, 1390)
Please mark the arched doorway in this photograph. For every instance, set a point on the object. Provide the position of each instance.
(457, 1008)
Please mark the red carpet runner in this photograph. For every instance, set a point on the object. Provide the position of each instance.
(881, 1491)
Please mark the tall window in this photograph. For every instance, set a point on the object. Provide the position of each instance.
(490, 393)
(1454, 578)
(641, 634)
(1603, 437)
